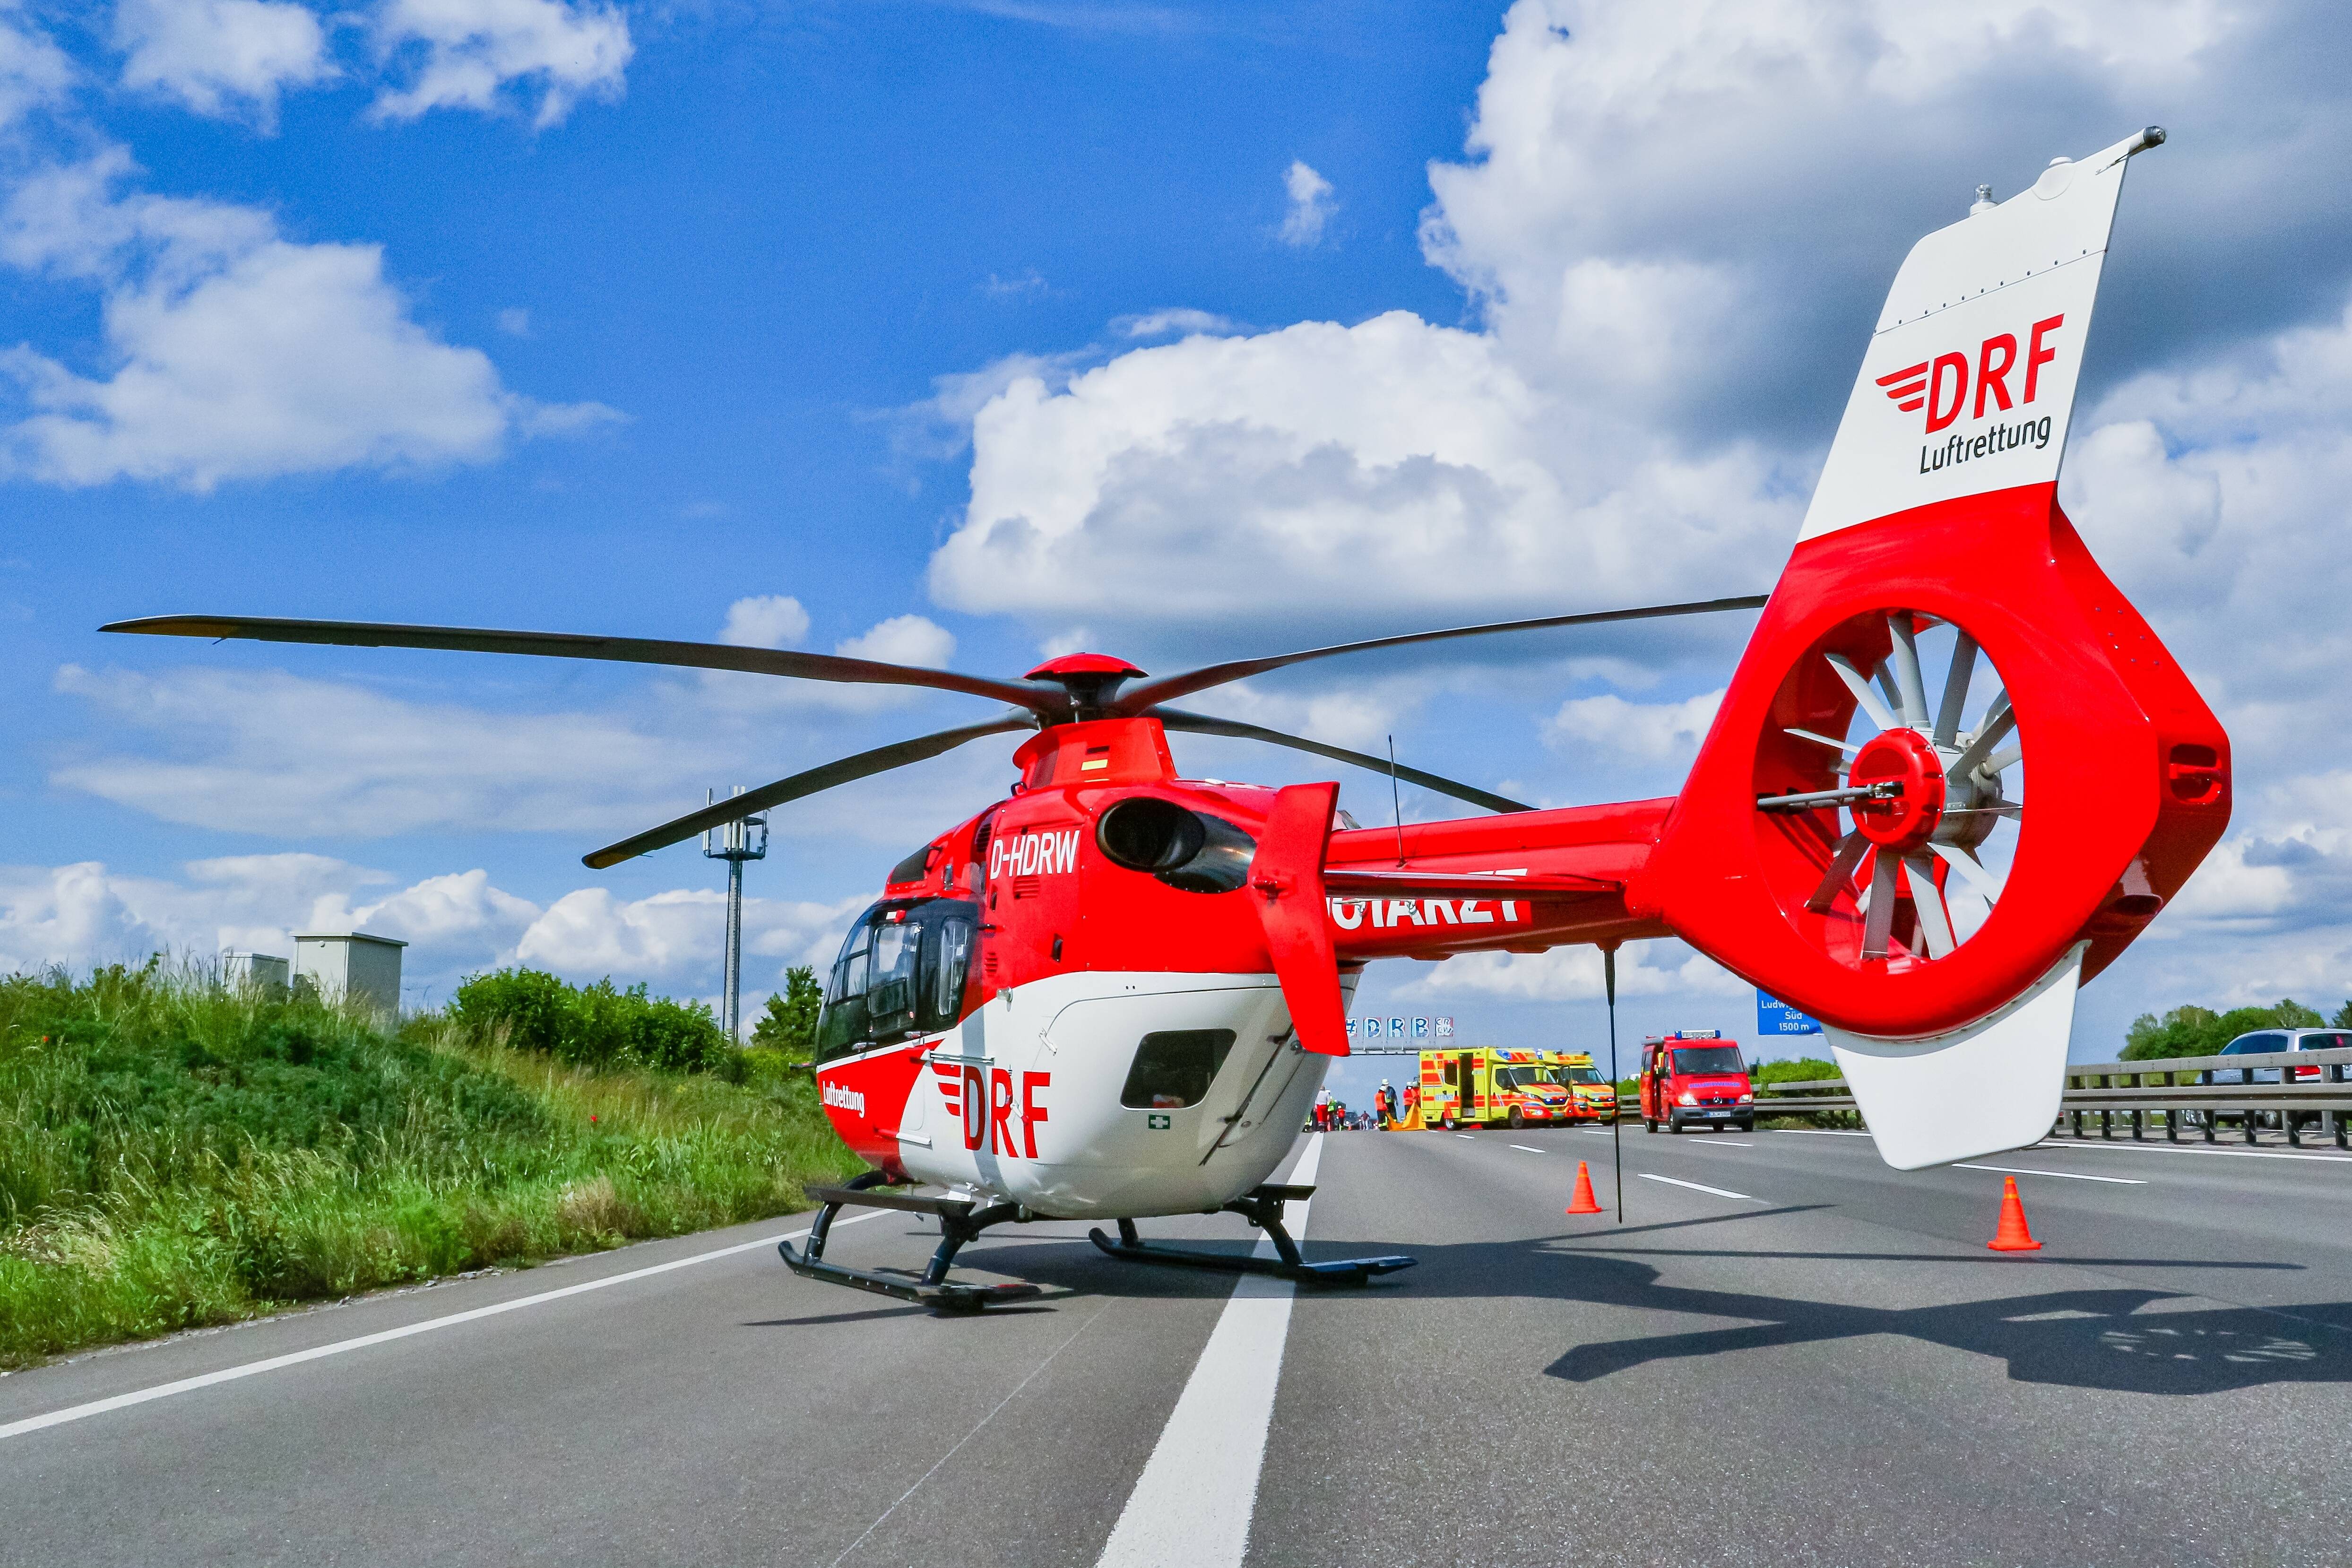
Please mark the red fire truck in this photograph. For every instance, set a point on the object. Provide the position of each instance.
(1695, 1078)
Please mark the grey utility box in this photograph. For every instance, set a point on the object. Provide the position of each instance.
(259, 972)
(351, 966)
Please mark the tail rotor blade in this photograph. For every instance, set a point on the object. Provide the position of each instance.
(1955, 689)
(1872, 703)
(1935, 920)
(2000, 719)
(1972, 870)
(1905, 657)
(1839, 877)
(1880, 923)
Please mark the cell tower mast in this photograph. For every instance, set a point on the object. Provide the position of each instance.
(735, 842)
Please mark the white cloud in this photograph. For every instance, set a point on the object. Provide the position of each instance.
(279, 754)
(1310, 204)
(34, 72)
(903, 639)
(591, 933)
(1022, 284)
(765, 620)
(515, 322)
(1643, 732)
(1175, 321)
(1574, 973)
(467, 54)
(1390, 467)
(234, 352)
(221, 56)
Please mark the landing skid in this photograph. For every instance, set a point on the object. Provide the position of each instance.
(1262, 1206)
(959, 1220)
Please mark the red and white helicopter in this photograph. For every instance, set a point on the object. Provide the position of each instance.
(1112, 995)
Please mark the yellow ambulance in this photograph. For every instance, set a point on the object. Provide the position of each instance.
(1481, 1085)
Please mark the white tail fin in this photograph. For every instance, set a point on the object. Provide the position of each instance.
(1969, 379)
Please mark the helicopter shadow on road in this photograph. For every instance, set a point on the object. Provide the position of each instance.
(2107, 1339)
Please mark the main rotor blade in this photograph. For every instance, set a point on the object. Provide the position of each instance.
(864, 764)
(1168, 687)
(1042, 700)
(1203, 724)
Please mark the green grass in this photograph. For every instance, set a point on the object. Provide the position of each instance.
(173, 1153)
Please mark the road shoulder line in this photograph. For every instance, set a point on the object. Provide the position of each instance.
(318, 1352)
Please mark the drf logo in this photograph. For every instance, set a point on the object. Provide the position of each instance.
(1940, 385)
(989, 1111)
(1032, 854)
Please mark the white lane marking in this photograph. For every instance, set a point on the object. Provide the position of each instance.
(1697, 1187)
(1722, 1143)
(968, 1437)
(2068, 1176)
(1524, 1150)
(1595, 1132)
(1825, 1131)
(317, 1352)
(1190, 1507)
(1465, 1135)
(2062, 1176)
(2136, 1148)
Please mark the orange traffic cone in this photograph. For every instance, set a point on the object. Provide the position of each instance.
(1582, 1201)
(2011, 1236)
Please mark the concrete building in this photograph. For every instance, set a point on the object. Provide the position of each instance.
(261, 971)
(354, 965)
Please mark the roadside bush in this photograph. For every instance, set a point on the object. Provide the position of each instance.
(2194, 1031)
(596, 1025)
(173, 1152)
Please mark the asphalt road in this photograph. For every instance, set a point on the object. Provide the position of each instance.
(1814, 1362)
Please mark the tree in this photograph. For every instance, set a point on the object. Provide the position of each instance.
(2342, 1019)
(789, 1024)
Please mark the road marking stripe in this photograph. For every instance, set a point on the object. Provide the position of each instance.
(1825, 1131)
(1524, 1150)
(1723, 1143)
(2062, 1176)
(2138, 1147)
(1190, 1506)
(1699, 1187)
(1595, 1132)
(318, 1352)
(1465, 1135)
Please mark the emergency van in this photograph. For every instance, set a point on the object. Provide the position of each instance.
(1695, 1078)
(1594, 1097)
(1481, 1085)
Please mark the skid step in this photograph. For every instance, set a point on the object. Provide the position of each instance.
(946, 1296)
(889, 1198)
(1339, 1271)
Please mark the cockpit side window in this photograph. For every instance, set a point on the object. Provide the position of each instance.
(901, 972)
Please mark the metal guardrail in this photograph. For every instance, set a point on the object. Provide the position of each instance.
(2214, 1087)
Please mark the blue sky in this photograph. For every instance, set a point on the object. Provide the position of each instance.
(964, 331)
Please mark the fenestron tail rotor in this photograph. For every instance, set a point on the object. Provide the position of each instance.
(1924, 796)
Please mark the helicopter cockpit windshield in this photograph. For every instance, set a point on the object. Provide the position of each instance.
(901, 971)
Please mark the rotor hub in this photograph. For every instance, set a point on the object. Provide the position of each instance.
(1908, 818)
